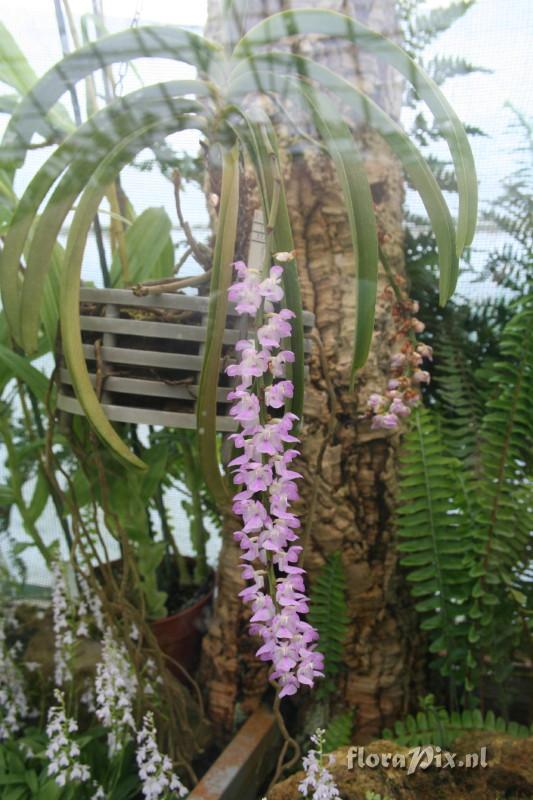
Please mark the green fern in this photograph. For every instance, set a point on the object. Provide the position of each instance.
(439, 728)
(511, 264)
(431, 530)
(504, 499)
(464, 525)
(421, 29)
(460, 395)
(327, 613)
(339, 732)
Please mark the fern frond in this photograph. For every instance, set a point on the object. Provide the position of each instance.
(504, 492)
(460, 394)
(327, 613)
(422, 29)
(431, 530)
(440, 728)
(339, 732)
(441, 68)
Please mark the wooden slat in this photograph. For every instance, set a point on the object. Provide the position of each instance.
(142, 387)
(145, 416)
(145, 358)
(165, 300)
(125, 297)
(151, 329)
(243, 767)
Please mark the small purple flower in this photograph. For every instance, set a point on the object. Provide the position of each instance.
(246, 294)
(282, 493)
(256, 476)
(252, 364)
(270, 288)
(425, 351)
(263, 608)
(246, 409)
(375, 401)
(277, 328)
(397, 361)
(385, 422)
(277, 393)
(399, 408)
(281, 462)
(277, 363)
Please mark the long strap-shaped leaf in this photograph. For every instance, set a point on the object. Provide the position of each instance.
(16, 71)
(369, 113)
(259, 140)
(20, 367)
(143, 42)
(340, 144)
(206, 406)
(70, 290)
(338, 26)
(85, 148)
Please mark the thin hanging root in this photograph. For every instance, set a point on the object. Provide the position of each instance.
(283, 765)
(202, 254)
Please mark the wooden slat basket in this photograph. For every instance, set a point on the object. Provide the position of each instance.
(147, 353)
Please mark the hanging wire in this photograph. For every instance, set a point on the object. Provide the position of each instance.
(124, 67)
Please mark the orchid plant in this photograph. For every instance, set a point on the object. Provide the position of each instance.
(225, 104)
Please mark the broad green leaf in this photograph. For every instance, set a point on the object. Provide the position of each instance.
(49, 791)
(147, 248)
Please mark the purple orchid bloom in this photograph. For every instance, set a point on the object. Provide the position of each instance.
(263, 472)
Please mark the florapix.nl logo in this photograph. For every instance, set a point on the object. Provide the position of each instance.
(415, 759)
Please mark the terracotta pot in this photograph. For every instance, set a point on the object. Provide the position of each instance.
(180, 636)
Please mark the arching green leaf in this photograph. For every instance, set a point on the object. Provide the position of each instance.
(218, 301)
(366, 111)
(81, 152)
(151, 41)
(338, 26)
(20, 367)
(259, 141)
(70, 312)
